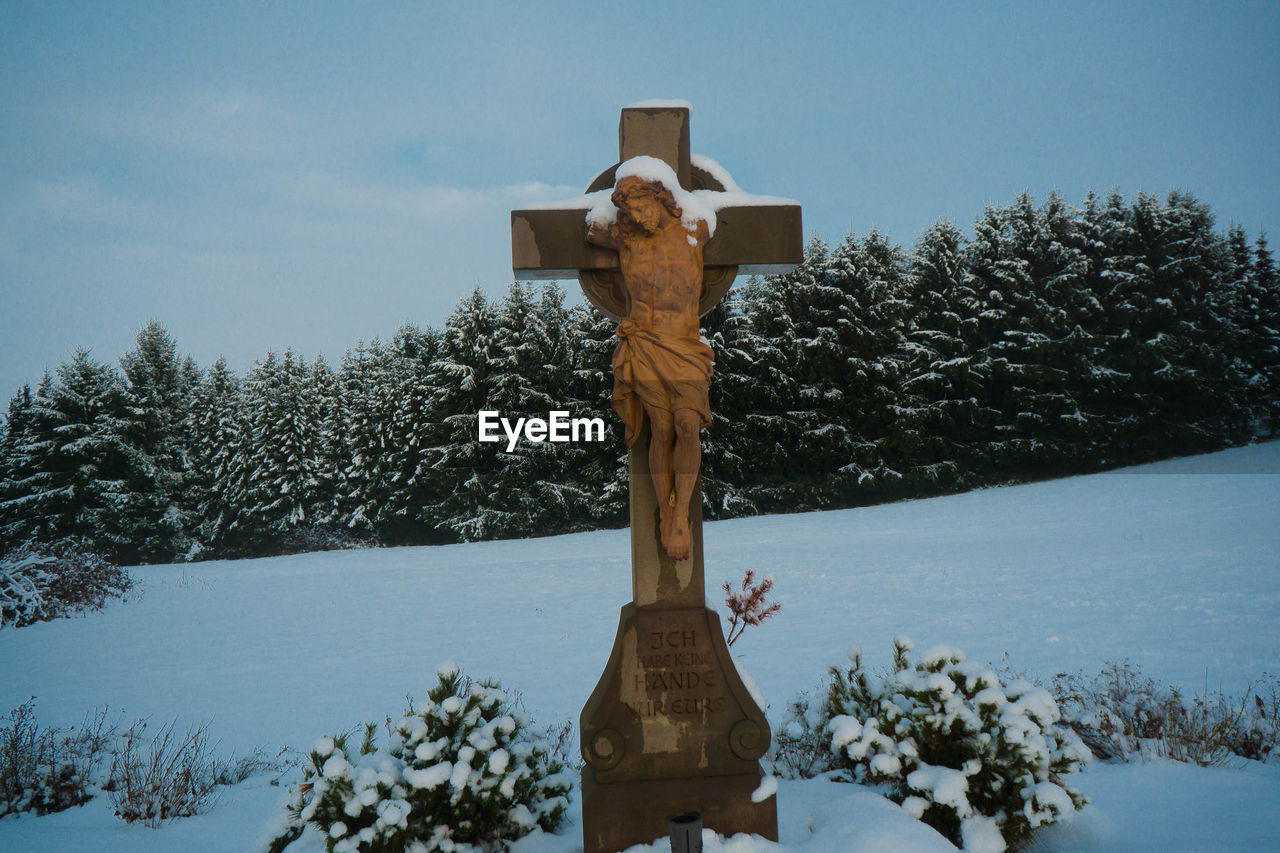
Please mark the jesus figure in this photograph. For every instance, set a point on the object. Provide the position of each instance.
(661, 366)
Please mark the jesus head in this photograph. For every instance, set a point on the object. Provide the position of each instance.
(646, 204)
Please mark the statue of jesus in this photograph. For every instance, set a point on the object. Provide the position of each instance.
(661, 366)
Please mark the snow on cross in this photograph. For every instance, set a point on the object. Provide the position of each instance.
(753, 234)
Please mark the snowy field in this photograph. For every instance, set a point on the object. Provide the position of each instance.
(1173, 566)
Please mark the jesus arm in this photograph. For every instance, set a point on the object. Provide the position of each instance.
(703, 233)
(603, 234)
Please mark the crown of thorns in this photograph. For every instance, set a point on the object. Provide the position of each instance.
(633, 187)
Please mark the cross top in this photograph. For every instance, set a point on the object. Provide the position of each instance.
(753, 234)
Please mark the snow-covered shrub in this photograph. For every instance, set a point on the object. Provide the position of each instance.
(1122, 714)
(170, 777)
(462, 772)
(980, 761)
(48, 770)
(40, 582)
(309, 538)
(801, 749)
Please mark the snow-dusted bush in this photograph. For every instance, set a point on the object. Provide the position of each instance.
(51, 769)
(1122, 714)
(309, 538)
(48, 770)
(169, 777)
(40, 582)
(980, 761)
(801, 748)
(462, 773)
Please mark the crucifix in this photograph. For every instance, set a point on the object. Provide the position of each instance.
(671, 727)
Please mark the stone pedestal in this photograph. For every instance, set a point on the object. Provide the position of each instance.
(670, 727)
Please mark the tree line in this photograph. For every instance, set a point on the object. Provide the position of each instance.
(1058, 339)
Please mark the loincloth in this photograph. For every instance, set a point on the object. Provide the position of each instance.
(657, 371)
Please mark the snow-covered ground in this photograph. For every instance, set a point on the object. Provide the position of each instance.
(1174, 566)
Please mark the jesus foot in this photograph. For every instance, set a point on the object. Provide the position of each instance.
(677, 543)
(664, 527)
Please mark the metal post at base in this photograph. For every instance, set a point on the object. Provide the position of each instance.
(686, 833)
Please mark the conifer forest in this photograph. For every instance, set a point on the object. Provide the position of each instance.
(1058, 339)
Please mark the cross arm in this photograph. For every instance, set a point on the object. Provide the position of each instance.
(761, 238)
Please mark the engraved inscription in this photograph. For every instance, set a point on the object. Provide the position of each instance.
(674, 674)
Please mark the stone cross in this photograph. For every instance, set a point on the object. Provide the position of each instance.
(671, 727)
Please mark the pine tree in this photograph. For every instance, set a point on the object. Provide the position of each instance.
(215, 429)
(16, 466)
(522, 353)
(602, 475)
(274, 472)
(941, 427)
(563, 502)
(157, 400)
(871, 273)
(414, 485)
(366, 415)
(786, 474)
(462, 379)
(331, 447)
(1183, 378)
(737, 399)
(1069, 323)
(1263, 326)
(78, 459)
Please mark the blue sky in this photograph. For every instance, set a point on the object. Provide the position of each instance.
(262, 175)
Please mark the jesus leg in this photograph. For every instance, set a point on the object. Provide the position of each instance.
(687, 457)
(661, 439)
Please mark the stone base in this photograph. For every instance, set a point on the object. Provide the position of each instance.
(670, 729)
(617, 815)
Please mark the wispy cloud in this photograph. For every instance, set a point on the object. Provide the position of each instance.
(332, 191)
(232, 125)
(82, 199)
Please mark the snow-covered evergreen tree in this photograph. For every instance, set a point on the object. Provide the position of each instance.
(1019, 266)
(522, 366)
(462, 380)
(157, 399)
(73, 462)
(1262, 325)
(789, 314)
(871, 273)
(331, 448)
(602, 472)
(942, 419)
(414, 485)
(728, 444)
(215, 429)
(566, 501)
(17, 466)
(275, 466)
(366, 415)
(1190, 398)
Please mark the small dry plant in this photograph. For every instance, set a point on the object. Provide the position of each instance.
(1123, 714)
(801, 746)
(562, 744)
(171, 776)
(48, 770)
(748, 605)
